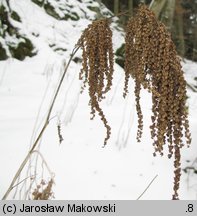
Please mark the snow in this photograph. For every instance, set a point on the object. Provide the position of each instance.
(82, 168)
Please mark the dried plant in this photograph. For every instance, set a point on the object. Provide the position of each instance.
(59, 133)
(151, 59)
(97, 66)
(43, 191)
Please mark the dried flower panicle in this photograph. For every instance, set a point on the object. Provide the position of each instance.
(43, 191)
(151, 59)
(97, 66)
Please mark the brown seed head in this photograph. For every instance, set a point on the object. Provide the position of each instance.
(97, 66)
(151, 59)
(43, 191)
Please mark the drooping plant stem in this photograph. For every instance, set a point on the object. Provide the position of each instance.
(35, 144)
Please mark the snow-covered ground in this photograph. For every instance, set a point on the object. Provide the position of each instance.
(82, 168)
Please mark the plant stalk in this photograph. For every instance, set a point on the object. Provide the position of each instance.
(43, 128)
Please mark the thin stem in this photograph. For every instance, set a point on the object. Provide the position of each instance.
(43, 128)
(191, 87)
(21, 181)
(147, 187)
(119, 14)
(45, 163)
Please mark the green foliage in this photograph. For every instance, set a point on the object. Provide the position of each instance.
(51, 10)
(6, 26)
(3, 54)
(95, 9)
(22, 46)
(120, 59)
(73, 16)
(38, 2)
(3, 14)
(22, 50)
(15, 16)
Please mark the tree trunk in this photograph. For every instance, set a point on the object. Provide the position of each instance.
(194, 55)
(116, 7)
(167, 14)
(130, 6)
(180, 34)
(164, 10)
(156, 6)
